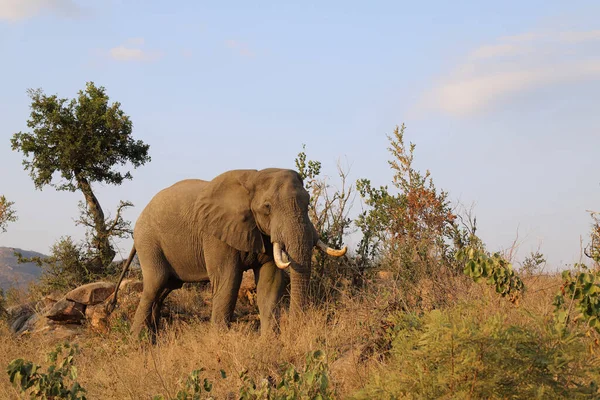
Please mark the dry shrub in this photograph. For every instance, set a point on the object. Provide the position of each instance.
(486, 347)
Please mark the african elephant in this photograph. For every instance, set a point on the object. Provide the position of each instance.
(213, 231)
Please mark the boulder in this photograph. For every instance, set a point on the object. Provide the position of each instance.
(66, 311)
(18, 316)
(51, 298)
(97, 318)
(92, 293)
(64, 332)
(29, 325)
(131, 285)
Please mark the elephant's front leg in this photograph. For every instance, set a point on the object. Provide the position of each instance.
(270, 285)
(225, 271)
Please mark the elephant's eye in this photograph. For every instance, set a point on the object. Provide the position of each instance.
(267, 208)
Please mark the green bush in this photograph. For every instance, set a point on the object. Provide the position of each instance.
(533, 263)
(59, 382)
(579, 295)
(310, 384)
(497, 272)
(194, 387)
(462, 353)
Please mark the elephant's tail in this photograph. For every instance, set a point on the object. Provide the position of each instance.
(110, 307)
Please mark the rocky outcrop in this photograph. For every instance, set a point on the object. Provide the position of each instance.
(64, 315)
(131, 286)
(66, 311)
(19, 315)
(97, 318)
(92, 293)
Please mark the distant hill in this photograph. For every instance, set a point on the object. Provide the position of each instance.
(14, 274)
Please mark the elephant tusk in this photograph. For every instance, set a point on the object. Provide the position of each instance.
(278, 256)
(331, 251)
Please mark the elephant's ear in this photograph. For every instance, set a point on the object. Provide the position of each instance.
(224, 211)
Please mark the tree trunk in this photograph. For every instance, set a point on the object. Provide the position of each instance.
(101, 238)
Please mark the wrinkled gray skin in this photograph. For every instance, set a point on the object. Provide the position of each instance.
(214, 230)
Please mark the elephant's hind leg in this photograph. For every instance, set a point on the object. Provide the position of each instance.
(155, 280)
(157, 306)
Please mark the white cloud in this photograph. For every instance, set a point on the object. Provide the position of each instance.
(490, 51)
(578, 37)
(516, 64)
(139, 41)
(132, 51)
(14, 10)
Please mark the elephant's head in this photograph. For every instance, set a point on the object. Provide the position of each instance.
(248, 209)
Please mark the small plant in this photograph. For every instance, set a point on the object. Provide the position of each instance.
(194, 387)
(494, 268)
(312, 383)
(593, 249)
(582, 291)
(54, 384)
(533, 263)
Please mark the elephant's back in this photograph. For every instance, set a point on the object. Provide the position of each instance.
(172, 206)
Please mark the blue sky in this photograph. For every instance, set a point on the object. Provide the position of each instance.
(499, 97)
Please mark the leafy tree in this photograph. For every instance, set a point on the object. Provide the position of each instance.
(83, 140)
(7, 213)
(411, 226)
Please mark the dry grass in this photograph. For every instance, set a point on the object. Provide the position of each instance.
(112, 366)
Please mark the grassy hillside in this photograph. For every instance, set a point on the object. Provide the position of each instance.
(13, 274)
(479, 346)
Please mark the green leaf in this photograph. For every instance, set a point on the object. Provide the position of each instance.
(310, 377)
(319, 355)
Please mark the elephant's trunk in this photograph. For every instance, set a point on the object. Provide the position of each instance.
(300, 279)
(297, 242)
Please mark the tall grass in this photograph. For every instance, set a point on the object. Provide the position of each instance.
(478, 346)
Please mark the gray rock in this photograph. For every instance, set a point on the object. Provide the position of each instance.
(92, 293)
(18, 315)
(66, 311)
(29, 324)
(131, 285)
